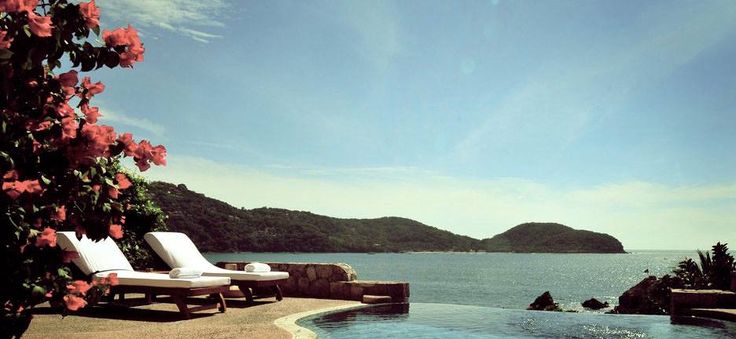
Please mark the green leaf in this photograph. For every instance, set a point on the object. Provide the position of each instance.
(96, 29)
(38, 291)
(45, 180)
(63, 273)
(27, 30)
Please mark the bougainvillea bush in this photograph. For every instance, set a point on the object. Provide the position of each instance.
(59, 167)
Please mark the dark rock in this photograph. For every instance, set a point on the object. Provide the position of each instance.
(594, 304)
(544, 302)
(649, 296)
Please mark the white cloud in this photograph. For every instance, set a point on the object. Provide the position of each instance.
(156, 130)
(172, 15)
(640, 214)
(376, 25)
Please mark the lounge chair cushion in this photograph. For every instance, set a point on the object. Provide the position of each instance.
(133, 278)
(99, 256)
(243, 275)
(177, 250)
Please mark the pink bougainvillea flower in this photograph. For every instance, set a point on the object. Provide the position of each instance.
(113, 192)
(91, 13)
(91, 113)
(36, 146)
(96, 187)
(145, 153)
(64, 110)
(40, 25)
(10, 175)
(68, 256)
(33, 186)
(125, 37)
(158, 155)
(68, 82)
(42, 126)
(122, 179)
(99, 139)
(116, 231)
(116, 37)
(60, 214)
(17, 5)
(69, 79)
(69, 127)
(90, 88)
(130, 146)
(74, 302)
(47, 237)
(11, 190)
(79, 287)
(4, 40)
(112, 279)
(15, 188)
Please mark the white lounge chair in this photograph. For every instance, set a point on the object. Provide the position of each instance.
(177, 250)
(99, 259)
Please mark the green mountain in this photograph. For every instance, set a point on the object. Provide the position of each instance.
(218, 227)
(551, 238)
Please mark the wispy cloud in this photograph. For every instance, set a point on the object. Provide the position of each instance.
(564, 96)
(156, 130)
(376, 26)
(640, 214)
(180, 16)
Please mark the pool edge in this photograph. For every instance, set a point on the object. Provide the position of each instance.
(288, 322)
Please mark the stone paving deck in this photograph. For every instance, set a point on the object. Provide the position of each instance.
(163, 321)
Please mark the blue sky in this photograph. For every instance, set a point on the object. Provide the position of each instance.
(470, 116)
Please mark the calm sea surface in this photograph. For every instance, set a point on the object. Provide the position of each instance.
(505, 280)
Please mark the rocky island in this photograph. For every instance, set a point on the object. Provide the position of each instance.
(535, 237)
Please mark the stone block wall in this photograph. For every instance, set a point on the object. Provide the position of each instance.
(682, 300)
(355, 290)
(329, 281)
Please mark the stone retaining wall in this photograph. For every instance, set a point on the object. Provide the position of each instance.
(682, 300)
(329, 281)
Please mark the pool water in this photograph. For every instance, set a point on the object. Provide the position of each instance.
(424, 320)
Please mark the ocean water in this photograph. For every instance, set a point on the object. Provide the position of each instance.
(497, 280)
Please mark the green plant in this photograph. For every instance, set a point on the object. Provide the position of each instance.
(59, 168)
(714, 270)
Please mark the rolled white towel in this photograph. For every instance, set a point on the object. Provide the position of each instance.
(185, 272)
(257, 267)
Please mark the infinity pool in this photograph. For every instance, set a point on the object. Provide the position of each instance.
(420, 320)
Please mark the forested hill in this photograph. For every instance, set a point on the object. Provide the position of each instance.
(216, 226)
(551, 238)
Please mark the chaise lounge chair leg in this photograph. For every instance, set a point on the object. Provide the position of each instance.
(220, 301)
(182, 305)
(277, 291)
(248, 295)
